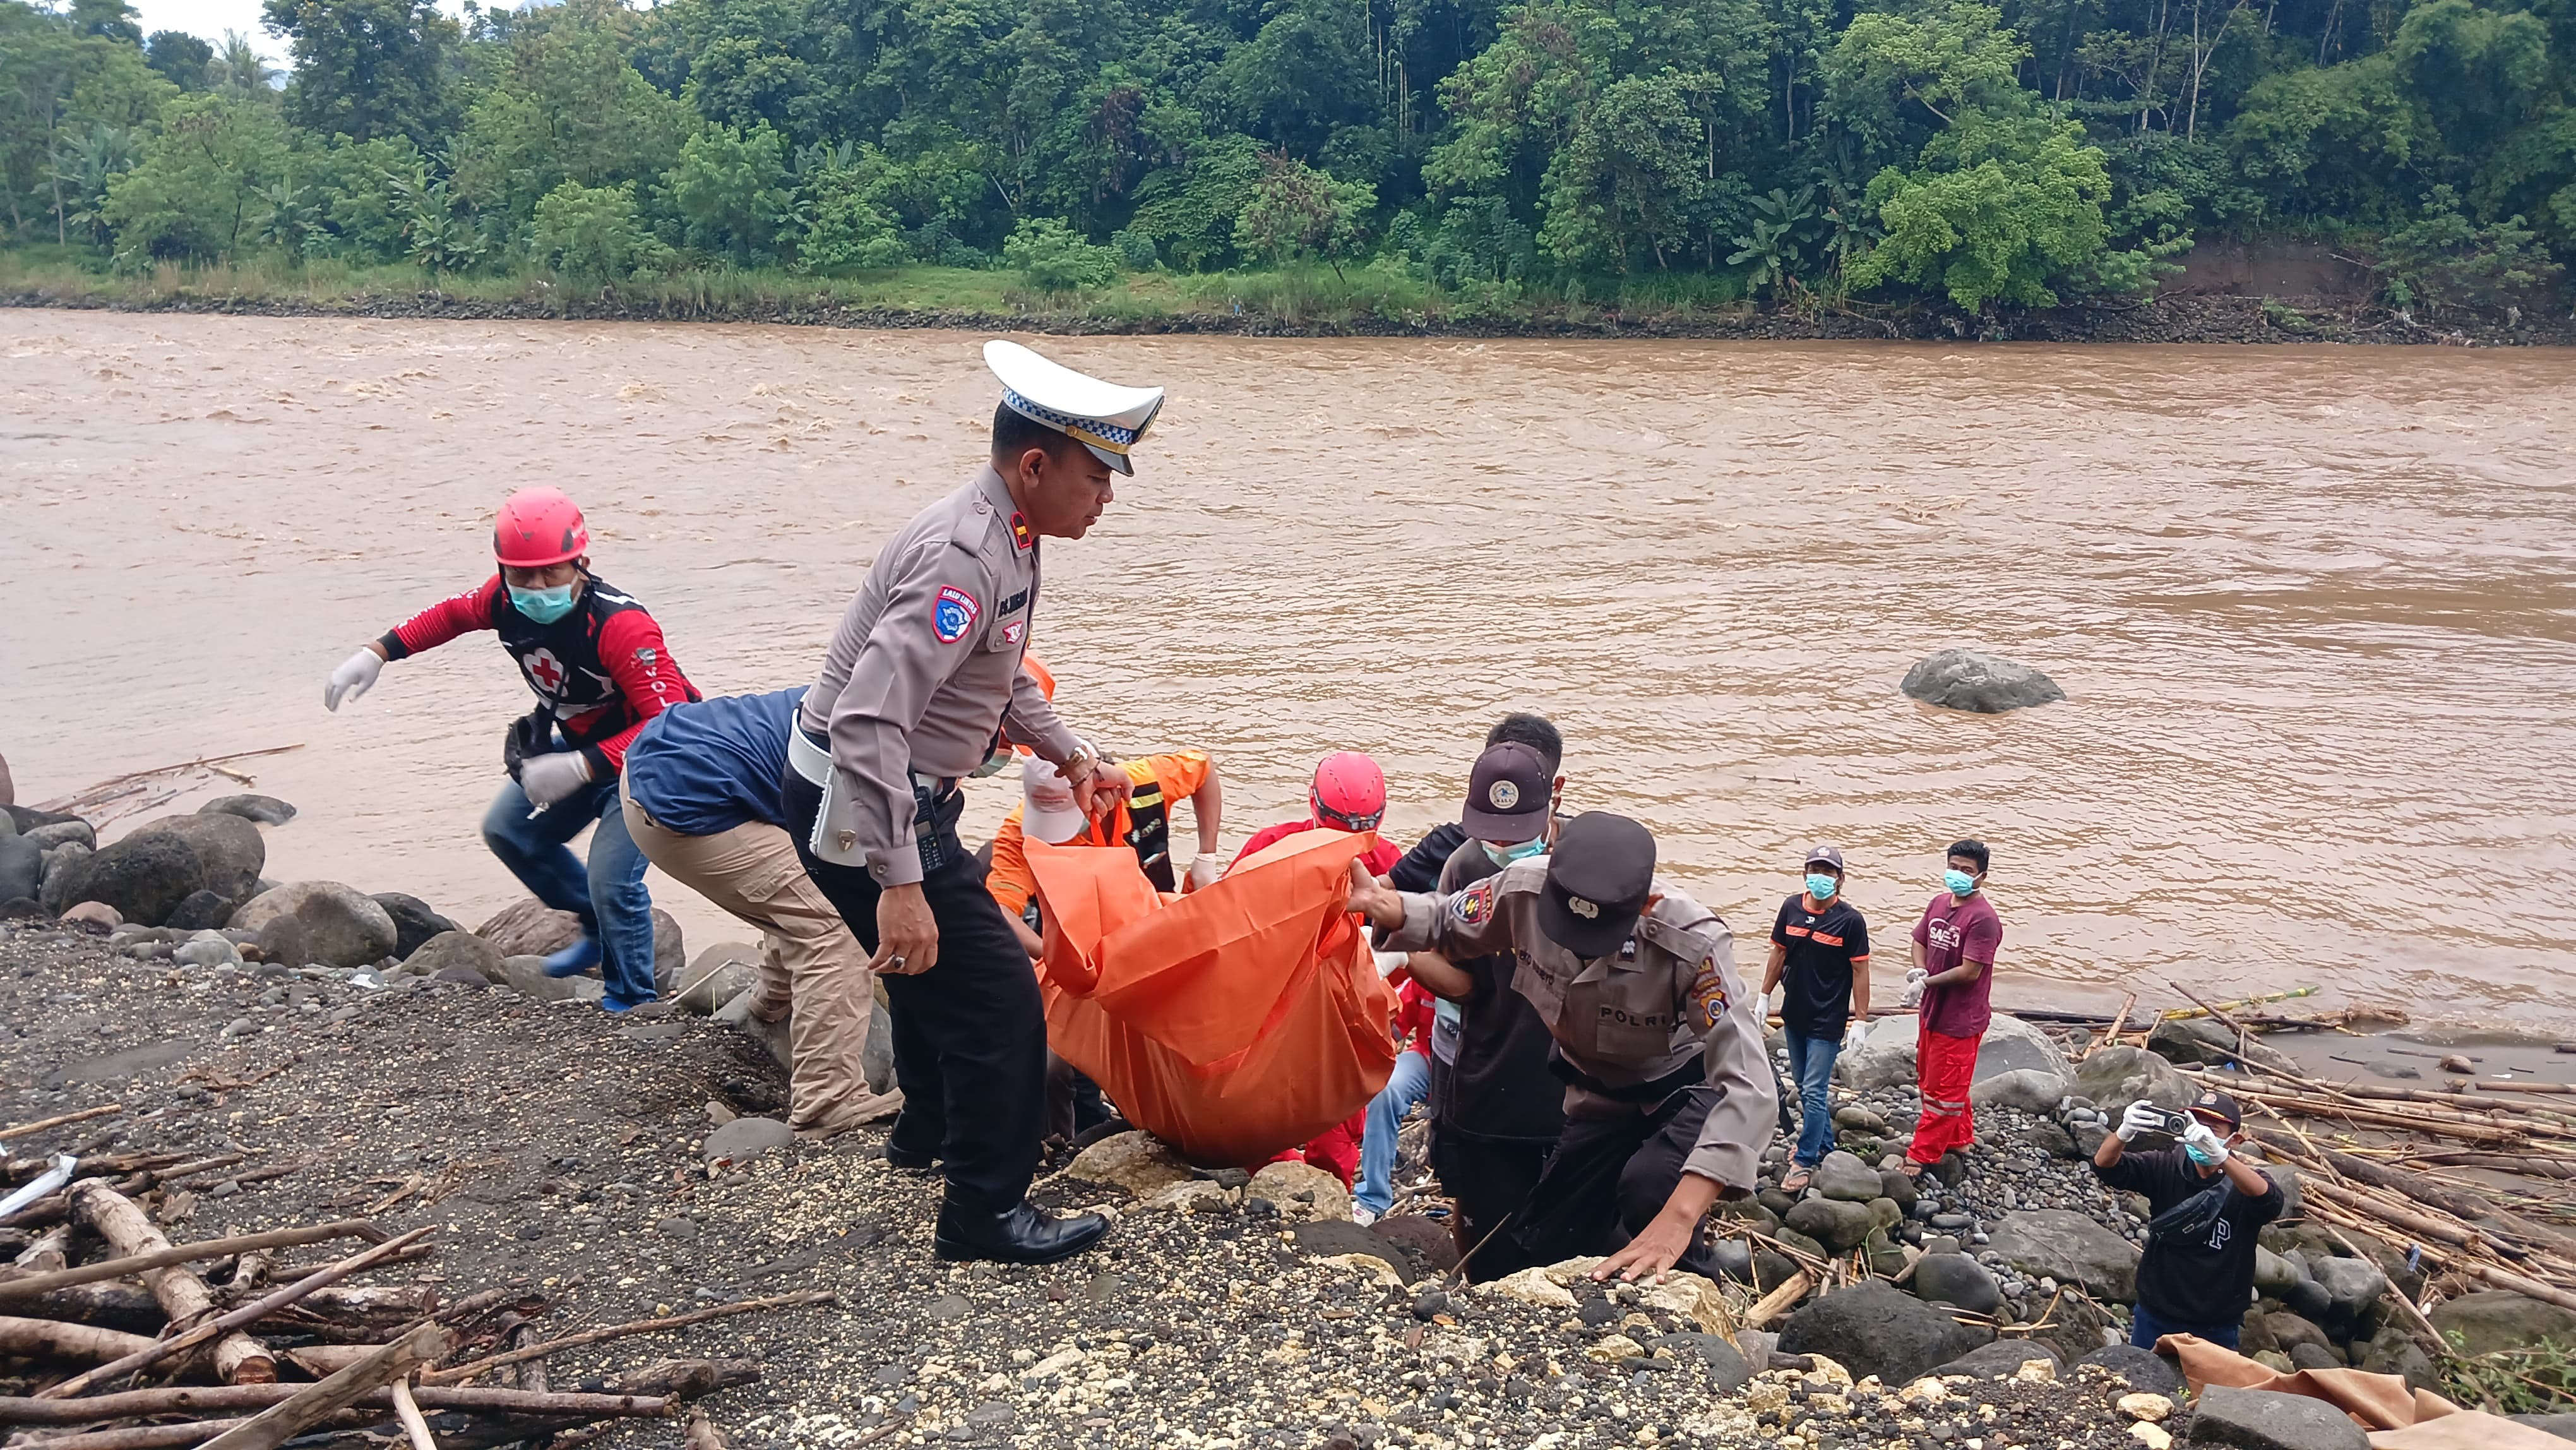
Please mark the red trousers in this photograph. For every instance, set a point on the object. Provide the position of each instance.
(1336, 1150)
(1943, 1068)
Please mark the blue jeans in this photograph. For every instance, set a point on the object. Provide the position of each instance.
(2145, 1329)
(1407, 1085)
(608, 895)
(1811, 1065)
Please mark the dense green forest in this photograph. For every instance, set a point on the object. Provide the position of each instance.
(1809, 152)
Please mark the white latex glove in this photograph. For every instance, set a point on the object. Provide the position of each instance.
(550, 778)
(1914, 981)
(2141, 1118)
(1761, 1009)
(1389, 963)
(1855, 1036)
(356, 675)
(2213, 1148)
(1205, 868)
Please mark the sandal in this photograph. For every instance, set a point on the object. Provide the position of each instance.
(1797, 1180)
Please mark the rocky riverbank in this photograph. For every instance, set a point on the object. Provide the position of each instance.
(2169, 319)
(340, 1053)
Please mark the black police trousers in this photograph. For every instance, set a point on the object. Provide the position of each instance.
(1608, 1178)
(1488, 1181)
(969, 1034)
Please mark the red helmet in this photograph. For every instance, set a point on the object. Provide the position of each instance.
(537, 527)
(1350, 792)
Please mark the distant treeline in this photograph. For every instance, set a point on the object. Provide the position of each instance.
(1808, 152)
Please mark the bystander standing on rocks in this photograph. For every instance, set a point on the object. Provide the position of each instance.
(1820, 966)
(1953, 980)
(2197, 1273)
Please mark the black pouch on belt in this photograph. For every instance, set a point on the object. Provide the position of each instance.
(530, 734)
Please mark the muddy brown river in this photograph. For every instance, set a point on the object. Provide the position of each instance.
(2315, 608)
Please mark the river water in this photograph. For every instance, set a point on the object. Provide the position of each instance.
(2315, 608)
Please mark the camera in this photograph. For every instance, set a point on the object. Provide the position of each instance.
(2173, 1121)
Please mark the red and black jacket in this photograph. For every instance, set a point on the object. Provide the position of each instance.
(601, 670)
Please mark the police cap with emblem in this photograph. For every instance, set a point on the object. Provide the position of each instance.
(1598, 879)
(1507, 795)
(1103, 417)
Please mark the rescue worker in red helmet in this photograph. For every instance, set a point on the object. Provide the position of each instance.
(599, 668)
(1348, 794)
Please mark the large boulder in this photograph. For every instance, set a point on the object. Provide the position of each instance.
(1839, 1225)
(2004, 1357)
(336, 925)
(1139, 1162)
(229, 847)
(1871, 1329)
(415, 921)
(2026, 1088)
(28, 818)
(63, 866)
(2202, 1042)
(1886, 1057)
(145, 876)
(721, 973)
(22, 869)
(2494, 1319)
(455, 949)
(1984, 684)
(1957, 1279)
(669, 953)
(267, 810)
(2352, 1287)
(202, 911)
(1301, 1191)
(530, 928)
(2118, 1076)
(2070, 1248)
(2271, 1420)
(526, 975)
(1844, 1176)
(8, 790)
(2141, 1369)
(63, 833)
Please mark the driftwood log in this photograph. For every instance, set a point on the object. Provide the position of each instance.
(316, 1402)
(53, 1339)
(129, 1307)
(162, 1254)
(238, 1358)
(241, 1399)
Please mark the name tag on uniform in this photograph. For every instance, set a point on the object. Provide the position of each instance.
(1010, 624)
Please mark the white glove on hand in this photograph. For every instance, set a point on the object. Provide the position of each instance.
(1761, 1009)
(2140, 1118)
(356, 675)
(2213, 1148)
(1914, 981)
(1389, 963)
(550, 778)
(1205, 868)
(1855, 1036)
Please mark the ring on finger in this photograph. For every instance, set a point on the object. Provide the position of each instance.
(896, 962)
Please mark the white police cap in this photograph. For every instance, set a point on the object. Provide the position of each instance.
(1105, 417)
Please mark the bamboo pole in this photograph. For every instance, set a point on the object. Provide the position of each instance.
(165, 1256)
(490, 1362)
(313, 1403)
(20, 1130)
(220, 1399)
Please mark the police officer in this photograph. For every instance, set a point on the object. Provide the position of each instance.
(921, 678)
(1669, 1101)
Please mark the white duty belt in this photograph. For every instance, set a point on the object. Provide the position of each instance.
(812, 761)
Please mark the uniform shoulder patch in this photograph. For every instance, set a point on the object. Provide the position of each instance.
(1022, 535)
(953, 614)
(1475, 904)
(1708, 994)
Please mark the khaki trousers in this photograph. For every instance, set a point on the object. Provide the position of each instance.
(811, 968)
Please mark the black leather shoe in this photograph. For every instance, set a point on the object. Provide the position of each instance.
(904, 1160)
(1019, 1234)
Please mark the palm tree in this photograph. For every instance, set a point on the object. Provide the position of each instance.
(240, 69)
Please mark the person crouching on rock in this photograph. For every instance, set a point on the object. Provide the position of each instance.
(1669, 1102)
(2197, 1274)
(600, 670)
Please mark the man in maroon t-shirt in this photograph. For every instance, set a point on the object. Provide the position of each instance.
(1953, 980)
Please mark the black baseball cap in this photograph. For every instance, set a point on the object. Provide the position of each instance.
(1598, 879)
(2219, 1105)
(1507, 794)
(1827, 854)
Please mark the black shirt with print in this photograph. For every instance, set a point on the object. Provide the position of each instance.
(1816, 973)
(2208, 1280)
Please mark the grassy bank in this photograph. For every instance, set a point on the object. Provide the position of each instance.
(1363, 302)
(1370, 298)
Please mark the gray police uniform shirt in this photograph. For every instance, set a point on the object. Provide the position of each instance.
(1628, 1019)
(925, 665)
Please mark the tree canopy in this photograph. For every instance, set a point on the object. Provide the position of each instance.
(1968, 154)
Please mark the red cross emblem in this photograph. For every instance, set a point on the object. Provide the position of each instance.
(546, 670)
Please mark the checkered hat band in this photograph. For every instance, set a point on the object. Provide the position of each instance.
(1089, 430)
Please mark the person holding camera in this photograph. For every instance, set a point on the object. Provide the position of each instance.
(2207, 1202)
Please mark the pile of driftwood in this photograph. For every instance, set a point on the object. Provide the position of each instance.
(114, 1338)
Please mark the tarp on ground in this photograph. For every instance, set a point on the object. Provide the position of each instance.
(2394, 1414)
(1232, 1022)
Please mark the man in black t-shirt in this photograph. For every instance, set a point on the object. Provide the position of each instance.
(1820, 967)
(2197, 1274)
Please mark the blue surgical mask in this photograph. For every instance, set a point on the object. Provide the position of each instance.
(545, 606)
(2192, 1150)
(1506, 855)
(1959, 882)
(1822, 887)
